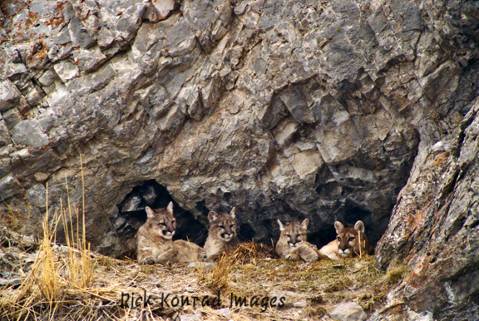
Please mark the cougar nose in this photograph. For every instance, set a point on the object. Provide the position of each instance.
(293, 243)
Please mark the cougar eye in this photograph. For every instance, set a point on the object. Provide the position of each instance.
(351, 238)
(232, 226)
(221, 226)
(288, 235)
(339, 238)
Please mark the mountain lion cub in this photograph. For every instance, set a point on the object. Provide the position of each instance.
(292, 243)
(155, 240)
(221, 233)
(347, 242)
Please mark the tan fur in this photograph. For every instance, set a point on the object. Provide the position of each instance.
(221, 234)
(330, 250)
(347, 242)
(155, 244)
(188, 252)
(292, 243)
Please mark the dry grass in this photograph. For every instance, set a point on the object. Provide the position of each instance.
(250, 252)
(45, 272)
(320, 285)
(245, 253)
(396, 273)
(52, 273)
(79, 263)
(217, 279)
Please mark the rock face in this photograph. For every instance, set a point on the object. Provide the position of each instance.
(434, 228)
(281, 108)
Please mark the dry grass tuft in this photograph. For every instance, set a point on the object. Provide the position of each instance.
(47, 276)
(51, 275)
(250, 252)
(79, 263)
(247, 253)
(396, 273)
(218, 278)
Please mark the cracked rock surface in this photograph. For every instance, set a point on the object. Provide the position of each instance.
(281, 108)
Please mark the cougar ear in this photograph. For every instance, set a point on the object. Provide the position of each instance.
(338, 226)
(304, 224)
(233, 212)
(281, 226)
(359, 226)
(169, 208)
(149, 212)
(212, 216)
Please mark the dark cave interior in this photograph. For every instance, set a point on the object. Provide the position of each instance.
(131, 215)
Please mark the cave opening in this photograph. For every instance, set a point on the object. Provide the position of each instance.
(349, 213)
(246, 232)
(325, 234)
(131, 213)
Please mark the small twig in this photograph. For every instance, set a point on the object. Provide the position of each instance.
(360, 245)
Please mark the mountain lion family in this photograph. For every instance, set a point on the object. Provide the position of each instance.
(155, 240)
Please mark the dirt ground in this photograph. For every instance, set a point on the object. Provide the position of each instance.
(37, 283)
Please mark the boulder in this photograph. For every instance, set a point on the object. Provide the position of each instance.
(348, 311)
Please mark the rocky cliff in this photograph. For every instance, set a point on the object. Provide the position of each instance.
(434, 228)
(320, 109)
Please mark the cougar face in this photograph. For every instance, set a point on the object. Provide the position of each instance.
(348, 239)
(161, 222)
(293, 232)
(223, 225)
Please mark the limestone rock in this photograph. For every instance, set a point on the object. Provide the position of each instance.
(9, 95)
(9, 186)
(37, 195)
(89, 59)
(65, 70)
(11, 118)
(30, 133)
(348, 311)
(79, 34)
(4, 133)
(159, 10)
(435, 224)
